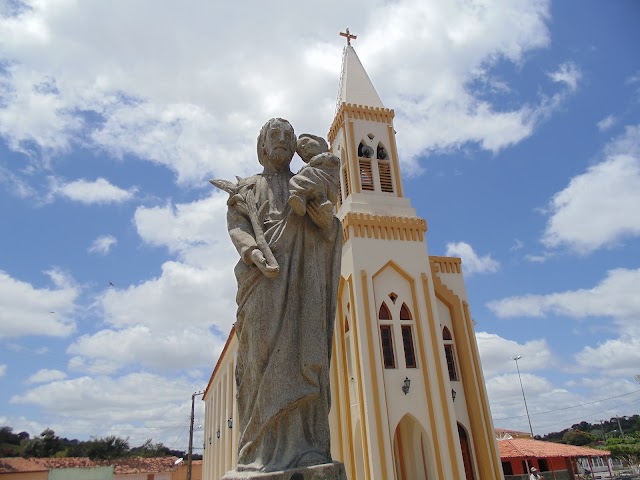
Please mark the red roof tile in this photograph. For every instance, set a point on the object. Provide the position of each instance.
(69, 462)
(121, 466)
(527, 447)
(143, 465)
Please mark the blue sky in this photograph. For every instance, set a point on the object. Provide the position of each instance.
(518, 125)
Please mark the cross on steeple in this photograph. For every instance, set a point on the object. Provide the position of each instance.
(348, 36)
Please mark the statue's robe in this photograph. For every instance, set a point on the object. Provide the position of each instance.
(285, 330)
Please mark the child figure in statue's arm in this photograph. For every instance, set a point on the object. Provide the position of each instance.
(319, 180)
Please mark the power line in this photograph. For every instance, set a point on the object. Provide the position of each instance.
(570, 407)
(594, 413)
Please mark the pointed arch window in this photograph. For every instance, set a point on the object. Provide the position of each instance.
(386, 337)
(449, 353)
(388, 314)
(407, 343)
(384, 169)
(384, 313)
(405, 313)
(381, 152)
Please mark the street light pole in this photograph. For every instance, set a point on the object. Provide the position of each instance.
(189, 459)
(523, 397)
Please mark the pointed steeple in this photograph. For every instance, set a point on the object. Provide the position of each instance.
(355, 85)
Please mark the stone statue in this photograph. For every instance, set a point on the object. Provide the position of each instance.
(287, 293)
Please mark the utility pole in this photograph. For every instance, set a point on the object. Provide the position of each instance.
(523, 397)
(189, 459)
(604, 435)
(620, 427)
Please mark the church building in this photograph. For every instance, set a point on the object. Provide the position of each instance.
(408, 395)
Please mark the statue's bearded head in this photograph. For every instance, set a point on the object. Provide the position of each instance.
(276, 144)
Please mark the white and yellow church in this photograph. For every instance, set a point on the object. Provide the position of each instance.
(408, 394)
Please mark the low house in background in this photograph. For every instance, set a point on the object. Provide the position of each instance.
(504, 434)
(81, 473)
(138, 468)
(22, 469)
(556, 461)
(180, 472)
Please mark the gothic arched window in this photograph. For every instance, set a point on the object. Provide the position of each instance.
(404, 330)
(449, 353)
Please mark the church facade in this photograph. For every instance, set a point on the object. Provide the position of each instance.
(408, 394)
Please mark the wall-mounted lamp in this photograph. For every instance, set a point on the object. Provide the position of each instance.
(406, 386)
(453, 394)
(230, 423)
(218, 433)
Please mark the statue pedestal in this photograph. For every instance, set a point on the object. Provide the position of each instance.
(328, 471)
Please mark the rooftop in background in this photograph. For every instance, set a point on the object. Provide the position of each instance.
(121, 465)
(503, 434)
(527, 447)
(20, 465)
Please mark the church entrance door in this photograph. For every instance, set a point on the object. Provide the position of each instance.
(410, 450)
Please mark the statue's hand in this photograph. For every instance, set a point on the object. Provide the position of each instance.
(322, 218)
(258, 259)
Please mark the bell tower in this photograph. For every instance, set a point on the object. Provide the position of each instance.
(362, 135)
(398, 410)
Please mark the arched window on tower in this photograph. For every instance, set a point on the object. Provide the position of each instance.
(407, 337)
(365, 153)
(344, 179)
(384, 169)
(386, 336)
(404, 328)
(449, 353)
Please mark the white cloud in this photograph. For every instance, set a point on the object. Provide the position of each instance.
(497, 354)
(139, 405)
(517, 245)
(471, 262)
(199, 290)
(599, 207)
(567, 73)
(27, 310)
(99, 191)
(102, 245)
(3, 370)
(46, 375)
(615, 296)
(606, 123)
(536, 258)
(618, 356)
(156, 349)
(200, 117)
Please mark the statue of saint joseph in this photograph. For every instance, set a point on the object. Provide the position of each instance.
(287, 293)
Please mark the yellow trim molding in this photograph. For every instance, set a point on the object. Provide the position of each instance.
(445, 264)
(358, 112)
(444, 392)
(375, 373)
(383, 227)
(396, 163)
(484, 459)
(353, 160)
(339, 335)
(359, 373)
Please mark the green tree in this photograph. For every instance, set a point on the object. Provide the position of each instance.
(149, 449)
(578, 437)
(47, 444)
(106, 448)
